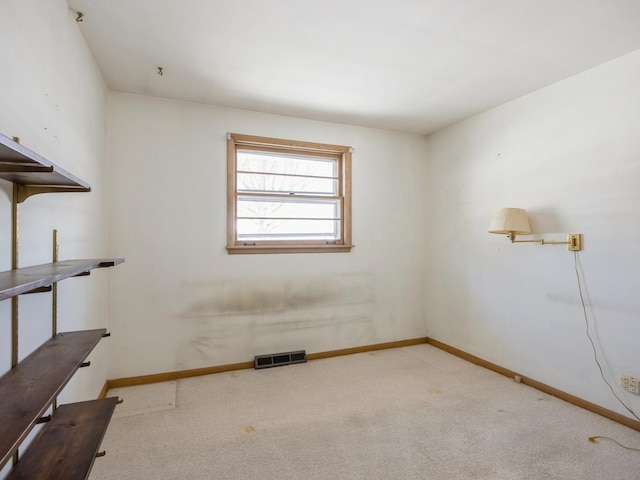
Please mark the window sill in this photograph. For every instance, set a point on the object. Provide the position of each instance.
(262, 249)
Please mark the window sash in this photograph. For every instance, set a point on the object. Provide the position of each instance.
(288, 218)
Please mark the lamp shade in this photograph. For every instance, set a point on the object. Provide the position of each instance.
(510, 220)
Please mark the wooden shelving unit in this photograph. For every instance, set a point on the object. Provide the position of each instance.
(66, 446)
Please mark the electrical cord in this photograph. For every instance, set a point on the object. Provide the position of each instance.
(593, 440)
(593, 345)
(578, 268)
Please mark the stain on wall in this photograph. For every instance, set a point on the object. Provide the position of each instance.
(269, 295)
(268, 315)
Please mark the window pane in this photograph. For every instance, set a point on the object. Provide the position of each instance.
(258, 182)
(284, 229)
(264, 162)
(285, 208)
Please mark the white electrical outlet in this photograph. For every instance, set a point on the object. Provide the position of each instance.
(631, 384)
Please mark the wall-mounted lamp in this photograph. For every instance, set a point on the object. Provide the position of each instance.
(514, 221)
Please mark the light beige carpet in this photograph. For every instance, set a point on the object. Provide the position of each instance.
(409, 413)
(144, 399)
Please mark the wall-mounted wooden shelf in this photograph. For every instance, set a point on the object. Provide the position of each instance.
(23, 280)
(24, 167)
(30, 388)
(67, 445)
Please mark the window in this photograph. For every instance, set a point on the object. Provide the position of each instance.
(286, 196)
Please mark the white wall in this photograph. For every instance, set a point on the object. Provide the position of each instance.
(182, 302)
(53, 98)
(570, 155)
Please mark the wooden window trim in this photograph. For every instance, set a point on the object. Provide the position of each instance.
(235, 140)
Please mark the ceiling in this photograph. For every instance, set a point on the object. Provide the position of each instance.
(407, 65)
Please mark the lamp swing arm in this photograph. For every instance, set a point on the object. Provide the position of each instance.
(541, 241)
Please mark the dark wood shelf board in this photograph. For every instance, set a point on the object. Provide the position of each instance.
(23, 280)
(66, 447)
(20, 165)
(30, 388)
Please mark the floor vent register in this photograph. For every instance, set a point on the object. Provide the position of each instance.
(278, 359)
